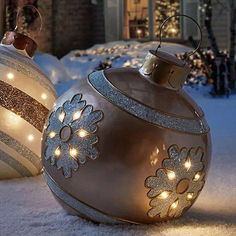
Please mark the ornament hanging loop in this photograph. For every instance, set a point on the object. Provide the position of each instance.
(188, 54)
(28, 21)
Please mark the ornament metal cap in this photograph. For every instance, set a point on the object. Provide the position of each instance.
(19, 38)
(165, 69)
(20, 41)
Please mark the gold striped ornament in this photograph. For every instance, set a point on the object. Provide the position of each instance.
(26, 96)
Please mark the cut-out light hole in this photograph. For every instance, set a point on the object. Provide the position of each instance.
(187, 164)
(196, 177)
(164, 195)
(73, 152)
(82, 133)
(174, 205)
(57, 151)
(189, 196)
(61, 116)
(76, 115)
(52, 134)
(171, 175)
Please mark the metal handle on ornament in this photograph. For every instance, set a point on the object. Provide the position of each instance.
(179, 15)
(33, 9)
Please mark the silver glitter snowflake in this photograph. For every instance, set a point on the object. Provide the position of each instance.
(177, 184)
(71, 135)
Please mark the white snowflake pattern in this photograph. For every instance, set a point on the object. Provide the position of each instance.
(177, 184)
(71, 135)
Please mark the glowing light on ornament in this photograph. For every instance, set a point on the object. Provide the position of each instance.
(10, 76)
(196, 177)
(57, 151)
(73, 152)
(76, 115)
(44, 96)
(30, 137)
(187, 164)
(52, 134)
(164, 195)
(189, 196)
(61, 116)
(82, 133)
(174, 205)
(171, 175)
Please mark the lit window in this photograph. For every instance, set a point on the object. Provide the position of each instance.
(136, 19)
(163, 10)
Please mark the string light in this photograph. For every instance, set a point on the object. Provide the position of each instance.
(164, 9)
(10, 76)
(139, 31)
(30, 137)
(76, 115)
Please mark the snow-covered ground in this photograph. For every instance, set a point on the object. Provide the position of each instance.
(28, 208)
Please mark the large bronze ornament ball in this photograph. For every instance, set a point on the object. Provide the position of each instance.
(128, 145)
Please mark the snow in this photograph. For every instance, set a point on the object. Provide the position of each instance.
(27, 206)
(122, 53)
(52, 67)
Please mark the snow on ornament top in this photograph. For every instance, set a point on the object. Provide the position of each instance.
(26, 96)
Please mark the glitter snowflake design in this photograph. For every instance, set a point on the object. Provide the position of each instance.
(71, 135)
(177, 184)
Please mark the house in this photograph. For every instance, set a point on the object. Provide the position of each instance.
(78, 24)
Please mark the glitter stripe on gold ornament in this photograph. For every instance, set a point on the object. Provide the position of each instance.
(85, 210)
(23, 105)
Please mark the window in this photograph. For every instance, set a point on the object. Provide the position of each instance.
(141, 19)
(162, 10)
(135, 19)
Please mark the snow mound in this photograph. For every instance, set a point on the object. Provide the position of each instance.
(80, 63)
